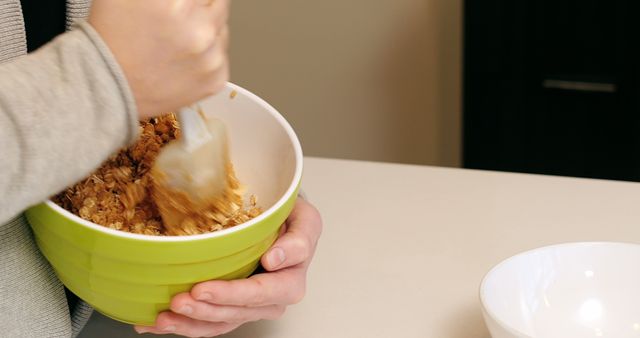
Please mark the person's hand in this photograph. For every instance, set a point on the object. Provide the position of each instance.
(172, 52)
(217, 307)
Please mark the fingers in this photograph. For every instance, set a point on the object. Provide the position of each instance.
(220, 13)
(306, 219)
(283, 287)
(215, 81)
(214, 11)
(288, 260)
(214, 65)
(186, 305)
(224, 37)
(216, 307)
(215, 57)
(169, 322)
(205, 2)
(208, 27)
(297, 244)
(213, 61)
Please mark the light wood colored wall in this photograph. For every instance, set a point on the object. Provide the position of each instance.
(362, 79)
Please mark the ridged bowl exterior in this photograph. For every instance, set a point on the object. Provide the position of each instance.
(132, 280)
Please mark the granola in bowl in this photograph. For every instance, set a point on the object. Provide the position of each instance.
(119, 195)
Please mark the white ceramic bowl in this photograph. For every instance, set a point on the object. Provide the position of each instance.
(569, 290)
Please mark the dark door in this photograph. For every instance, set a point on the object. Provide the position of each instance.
(552, 87)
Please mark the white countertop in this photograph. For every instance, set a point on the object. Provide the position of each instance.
(405, 247)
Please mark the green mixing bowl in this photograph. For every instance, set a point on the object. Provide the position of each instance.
(131, 277)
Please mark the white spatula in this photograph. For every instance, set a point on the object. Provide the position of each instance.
(192, 170)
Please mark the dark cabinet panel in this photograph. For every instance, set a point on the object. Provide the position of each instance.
(552, 87)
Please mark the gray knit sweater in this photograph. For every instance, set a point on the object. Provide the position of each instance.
(63, 109)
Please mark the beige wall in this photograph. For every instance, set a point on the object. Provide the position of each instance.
(362, 79)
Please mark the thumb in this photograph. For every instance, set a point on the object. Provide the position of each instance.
(297, 244)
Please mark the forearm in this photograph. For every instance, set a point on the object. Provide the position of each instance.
(63, 110)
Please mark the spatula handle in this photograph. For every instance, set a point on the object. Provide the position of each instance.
(193, 128)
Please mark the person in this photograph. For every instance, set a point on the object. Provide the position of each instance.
(66, 105)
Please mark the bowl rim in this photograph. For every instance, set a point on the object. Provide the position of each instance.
(293, 186)
(510, 329)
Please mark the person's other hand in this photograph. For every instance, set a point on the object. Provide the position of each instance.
(172, 52)
(216, 307)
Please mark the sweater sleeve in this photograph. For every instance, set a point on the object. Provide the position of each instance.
(64, 109)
